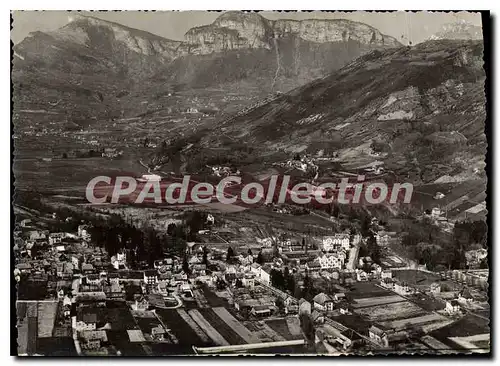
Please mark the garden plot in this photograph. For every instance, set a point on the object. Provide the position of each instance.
(419, 320)
(239, 328)
(214, 335)
(397, 310)
(374, 301)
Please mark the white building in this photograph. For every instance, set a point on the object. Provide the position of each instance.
(335, 242)
(330, 261)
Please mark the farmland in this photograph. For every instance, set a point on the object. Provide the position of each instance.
(183, 331)
(392, 311)
(363, 290)
(410, 322)
(415, 277)
(374, 301)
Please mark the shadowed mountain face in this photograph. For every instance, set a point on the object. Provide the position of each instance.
(86, 63)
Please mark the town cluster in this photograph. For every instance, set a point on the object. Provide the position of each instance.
(301, 293)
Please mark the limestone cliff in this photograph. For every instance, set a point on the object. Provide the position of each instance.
(237, 30)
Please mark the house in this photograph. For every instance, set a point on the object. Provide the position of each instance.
(261, 273)
(56, 238)
(158, 333)
(436, 212)
(291, 305)
(36, 235)
(361, 275)
(304, 306)
(119, 261)
(383, 238)
(87, 268)
(114, 291)
(114, 277)
(388, 283)
(435, 288)
(86, 320)
(65, 270)
(261, 311)
(25, 223)
(150, 277)
(339, 296)
(140, 304)
(93, 279)
(465, 296)
(323, 302)
(76, 260)
(439, 196)
(24, 268)
(378, 334)
(83, 232)
(452, 307)
(317, 317)
(403, 288)
(344, 308)
(387, 273)
(92, 339)
(248, 280)
(335, 242)
(313, 265)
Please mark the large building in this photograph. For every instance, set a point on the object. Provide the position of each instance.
(336, 242)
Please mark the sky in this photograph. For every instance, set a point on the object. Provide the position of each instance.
(404, 26)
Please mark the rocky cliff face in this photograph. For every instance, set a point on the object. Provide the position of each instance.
(459, 30)
(125, 47)
(89, 61)
(237, 30)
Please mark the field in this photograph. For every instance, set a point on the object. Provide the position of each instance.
(187, 334)
(235, 325)
(386, 312)
(374, 301)
(207, 327)
(280, 326)
(226, 331)
(415, 277)
(409, 322)
(69, 176)
(361, 290)
(427, 302)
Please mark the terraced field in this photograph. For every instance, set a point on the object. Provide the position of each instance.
(225, 330)
(182, 330)
(374, 301)
(392, 311)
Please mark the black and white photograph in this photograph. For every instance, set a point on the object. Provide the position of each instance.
(195, 183)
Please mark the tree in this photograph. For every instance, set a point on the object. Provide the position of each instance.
(277, 279)
(185, 265)
(260, 258)
(280, 304)
(220, 284)
(373, 249)
(307, 326)
(230, 254)
(171, 229)
(205, 256)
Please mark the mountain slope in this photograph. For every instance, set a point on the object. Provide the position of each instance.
(428, 99)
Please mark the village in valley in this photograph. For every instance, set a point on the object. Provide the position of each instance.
(277, 294)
